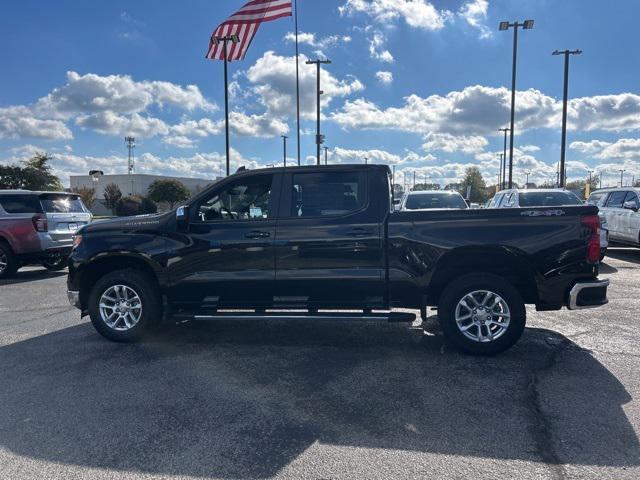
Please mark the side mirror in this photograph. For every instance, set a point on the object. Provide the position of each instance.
(630, 206)
(182, 218)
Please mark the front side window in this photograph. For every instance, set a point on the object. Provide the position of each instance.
(325, 194)
(509, 200)
(616, 199)
(20, 203)
(594, 198)
(632, 197)
(242, 200)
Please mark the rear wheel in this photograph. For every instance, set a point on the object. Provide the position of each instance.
(603, 253)
(8, 263)
(124, 304)
(481, 314)
(54, 263)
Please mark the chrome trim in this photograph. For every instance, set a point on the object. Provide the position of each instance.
(74, 298)
(578, 287)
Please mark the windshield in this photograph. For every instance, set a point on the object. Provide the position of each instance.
(421, 201)
(548, 199)
(55, 203)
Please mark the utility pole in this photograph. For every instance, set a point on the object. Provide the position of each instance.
(366, 160)
(601, 172)
(224, 39)
(131, 143)
(326, 149)
(526, 25)
(319, 137)
(500, 178)
(414, 180)
(566, 54)
(526, 184)
(590, 172)
(284, 148)
(622, 177)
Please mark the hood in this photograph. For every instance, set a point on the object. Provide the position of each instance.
(137, 222)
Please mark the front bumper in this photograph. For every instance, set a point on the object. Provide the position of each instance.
(74, 298)
(589, 294)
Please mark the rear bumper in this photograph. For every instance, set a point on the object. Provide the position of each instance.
(588, 294)
(37, 257)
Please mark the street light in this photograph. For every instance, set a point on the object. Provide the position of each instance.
(319, 137)
(504, 159)
(284, 148)
(621, 177)
(526, 25)
(566, 53)
(500, 178)
(526, 184)
(326, 149)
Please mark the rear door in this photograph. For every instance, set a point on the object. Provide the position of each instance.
(329, 240)
(613, 213)
(630, 219)
(65, 215)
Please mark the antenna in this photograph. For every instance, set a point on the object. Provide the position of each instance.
(131, 143)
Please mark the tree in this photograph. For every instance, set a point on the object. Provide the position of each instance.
(88, 195)
(426, 186)
(112, 195)
(134, 205)
(476, 185)
(168, 191)
(34, 174)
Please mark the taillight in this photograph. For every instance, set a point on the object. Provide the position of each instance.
(593, 246)
(40, 222)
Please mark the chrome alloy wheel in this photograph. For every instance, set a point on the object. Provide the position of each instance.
(4, 262)
(482, 316)
(120, 307)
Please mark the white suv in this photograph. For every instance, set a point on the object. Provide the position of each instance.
(620, 207)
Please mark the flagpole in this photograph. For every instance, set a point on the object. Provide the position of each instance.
(226, 101)
(297, 83)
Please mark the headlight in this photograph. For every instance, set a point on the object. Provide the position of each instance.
(77, 240)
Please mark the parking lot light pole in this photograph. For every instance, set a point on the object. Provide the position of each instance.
(500, 179)
(526, 184)
(622, 177)
(566, 53)
(326, 149)
(284, 148)
(319, 137)
(504, 158)
(526, 25)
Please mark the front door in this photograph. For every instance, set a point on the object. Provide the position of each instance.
(630, 219)
(613, 212)
(329, 241)
(228, 259)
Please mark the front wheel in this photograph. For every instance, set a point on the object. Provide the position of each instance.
(481, 314)
(124, 304)
(8, 262)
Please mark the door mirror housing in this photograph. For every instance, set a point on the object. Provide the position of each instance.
(630, 206)
(182, 218)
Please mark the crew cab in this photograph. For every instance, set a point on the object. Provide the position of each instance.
(324, 241)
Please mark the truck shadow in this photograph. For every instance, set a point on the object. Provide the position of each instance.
(22, 276)
(244, 399)
(627, 254)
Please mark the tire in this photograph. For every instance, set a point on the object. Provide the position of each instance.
(55, 263)
(603, 253)
(491, 336)
(118, 285)
(8, 263)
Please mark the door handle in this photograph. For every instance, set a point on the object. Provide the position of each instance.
(255, 234)
(359, 232)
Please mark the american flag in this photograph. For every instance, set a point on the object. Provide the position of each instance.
(244, 23)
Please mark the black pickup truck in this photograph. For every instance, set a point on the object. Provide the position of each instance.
(324, 241)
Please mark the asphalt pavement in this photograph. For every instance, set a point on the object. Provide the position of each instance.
(317, 399)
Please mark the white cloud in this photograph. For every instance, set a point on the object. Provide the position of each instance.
(274, 80)
(344, 155)
(474, 13)
(377, 50)
(451, 143)
(111, 123)
(386, 78)
(179, 141)
(19, 122)
(317, 42)
(605, 112)
(530, 148)
(416, 13)
(623, 148)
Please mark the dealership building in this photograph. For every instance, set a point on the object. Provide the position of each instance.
(131, 184)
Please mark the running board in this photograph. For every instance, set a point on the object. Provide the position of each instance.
(395, 317)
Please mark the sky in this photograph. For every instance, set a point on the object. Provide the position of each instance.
(420, 84)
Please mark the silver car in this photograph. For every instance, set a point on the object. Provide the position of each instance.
(38, 227)
(432, 200)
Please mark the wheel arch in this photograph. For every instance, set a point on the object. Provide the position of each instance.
(511, 265)
(102, 265)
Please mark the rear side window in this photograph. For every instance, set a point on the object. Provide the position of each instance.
(54, 203)
(325, 194)
(632, 197)
(548, 199)
(616, 199)
(509, 200)
(20, 203)
(594, 198)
